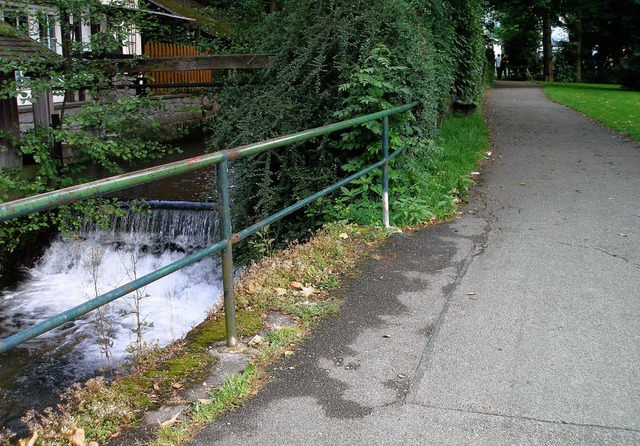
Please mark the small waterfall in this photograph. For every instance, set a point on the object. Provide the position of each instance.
(159, 229)
(74, 270)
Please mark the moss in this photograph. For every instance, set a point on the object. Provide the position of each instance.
(7, 31)
(212, 331)
(137, 388)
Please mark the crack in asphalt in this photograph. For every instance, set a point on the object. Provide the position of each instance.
(525, 418)
(477, 248)
(604, 251)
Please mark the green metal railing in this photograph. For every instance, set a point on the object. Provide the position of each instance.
(221, 159)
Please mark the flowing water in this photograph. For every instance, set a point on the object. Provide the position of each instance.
(74, 270)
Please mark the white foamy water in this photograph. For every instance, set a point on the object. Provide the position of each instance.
(75, 270)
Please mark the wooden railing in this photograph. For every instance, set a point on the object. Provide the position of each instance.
(174, 77)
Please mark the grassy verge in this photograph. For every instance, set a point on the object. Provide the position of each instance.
(616, 108)
(439, 171)
(426, 181)
(297, 281)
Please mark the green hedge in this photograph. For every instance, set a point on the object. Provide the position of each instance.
(335, 55)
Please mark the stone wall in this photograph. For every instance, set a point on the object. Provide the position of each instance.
(183, 113)
(179, 113)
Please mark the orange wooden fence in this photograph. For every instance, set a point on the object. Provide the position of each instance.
(152, 49)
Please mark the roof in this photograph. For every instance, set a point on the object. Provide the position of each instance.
(184, 8)
(15, 46)
(172, 19)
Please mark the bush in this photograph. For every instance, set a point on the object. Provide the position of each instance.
(328, 66)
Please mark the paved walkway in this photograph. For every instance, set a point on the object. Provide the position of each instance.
(517, 324)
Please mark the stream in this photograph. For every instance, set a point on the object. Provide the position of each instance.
(73, 270)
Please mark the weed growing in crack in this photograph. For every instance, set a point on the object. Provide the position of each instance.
(102, 317)
(229, 395)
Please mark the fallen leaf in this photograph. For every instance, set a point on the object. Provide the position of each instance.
(205, 401)
(280, 291)
(296, 285)
(256, 340)
(344, 235)
(177, 385)
(173, 420)
(28, 441)
(287, 353)
(307, 291)
(376, 257)
(386, 335)
(77, 437)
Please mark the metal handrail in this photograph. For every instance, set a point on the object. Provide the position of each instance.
(54, 199)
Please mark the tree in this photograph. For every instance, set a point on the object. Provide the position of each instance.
(108, 131)
(527, 18)
(604, 35)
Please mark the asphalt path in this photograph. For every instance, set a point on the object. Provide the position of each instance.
(516, 324)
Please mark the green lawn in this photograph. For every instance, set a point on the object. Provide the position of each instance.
(616, 108)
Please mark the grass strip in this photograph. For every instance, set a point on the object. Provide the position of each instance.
(616, 108)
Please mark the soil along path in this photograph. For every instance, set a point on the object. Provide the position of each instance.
(515, 324)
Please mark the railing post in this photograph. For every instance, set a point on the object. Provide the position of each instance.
(222, 177)
(385, 172)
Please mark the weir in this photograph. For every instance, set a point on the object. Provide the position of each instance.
(74, 269)
(224, 245)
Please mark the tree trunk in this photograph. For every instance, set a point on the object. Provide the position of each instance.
(579, 50)
(275, 5)
(547, 49)
(67, 38)
(10, 126)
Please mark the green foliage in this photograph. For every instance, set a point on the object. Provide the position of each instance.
(421, 180)
(234, 30)
(283, 336)
(468, 49)
(349, 58)
(519, 33)
(71, 71)
(109, 133)
(603, 37)
(102, 134)
(262, 243)
(564, 63)
(372, 87)
(426, 181)
(113, 134)
(98, 407)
